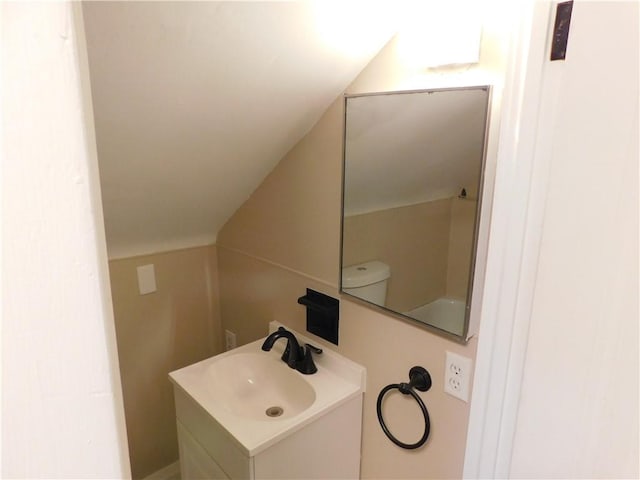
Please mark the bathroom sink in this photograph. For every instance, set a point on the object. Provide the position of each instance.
(257, 399)
(258, 386)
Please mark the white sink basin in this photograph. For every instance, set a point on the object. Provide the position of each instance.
(258, 385)
(258, 400)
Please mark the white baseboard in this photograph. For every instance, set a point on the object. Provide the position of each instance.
(170, 472)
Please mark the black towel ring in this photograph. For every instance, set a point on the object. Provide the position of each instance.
(420, 379)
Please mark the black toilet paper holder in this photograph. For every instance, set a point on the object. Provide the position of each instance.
(323, 314)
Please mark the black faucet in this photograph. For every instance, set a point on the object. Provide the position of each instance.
(294, 355)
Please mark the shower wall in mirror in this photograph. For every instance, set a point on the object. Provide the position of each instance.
(413, 169)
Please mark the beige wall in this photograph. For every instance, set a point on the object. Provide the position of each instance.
(254, 292)
(294, 216)
(287, 237)
(419, 268)
(159, 332)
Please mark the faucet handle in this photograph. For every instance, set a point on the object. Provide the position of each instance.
(286, 353)
(307, 366)
(314, 349)
(293, 352)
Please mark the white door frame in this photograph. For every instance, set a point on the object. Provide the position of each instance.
(514, 240)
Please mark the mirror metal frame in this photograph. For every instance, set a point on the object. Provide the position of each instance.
(466, 335)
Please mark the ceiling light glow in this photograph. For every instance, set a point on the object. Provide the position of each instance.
(432, 34)
(355, 28)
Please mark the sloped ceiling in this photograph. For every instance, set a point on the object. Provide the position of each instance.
(195, 102)
(407, 148)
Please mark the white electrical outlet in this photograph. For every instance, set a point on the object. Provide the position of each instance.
(457, 376)
(229, 340)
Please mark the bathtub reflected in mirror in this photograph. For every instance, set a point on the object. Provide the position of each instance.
(413, 169)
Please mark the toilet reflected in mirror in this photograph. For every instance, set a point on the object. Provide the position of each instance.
(367, 281)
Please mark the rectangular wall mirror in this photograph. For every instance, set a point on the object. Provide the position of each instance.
(413, 171)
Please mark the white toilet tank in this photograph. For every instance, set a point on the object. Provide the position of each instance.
(367, 281)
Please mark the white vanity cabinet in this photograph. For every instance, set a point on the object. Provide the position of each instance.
(245, 414)
(328, 447)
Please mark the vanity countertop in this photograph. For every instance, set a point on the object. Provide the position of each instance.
(337, 380)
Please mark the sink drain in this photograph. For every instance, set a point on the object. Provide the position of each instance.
(274, 411)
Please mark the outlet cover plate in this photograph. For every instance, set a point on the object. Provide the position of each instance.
(457, 376)
(229, 340)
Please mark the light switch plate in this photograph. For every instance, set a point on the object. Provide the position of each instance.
(146, 279)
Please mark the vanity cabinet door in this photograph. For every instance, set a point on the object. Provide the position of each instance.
(328, 448)
(195, 463)
(207, 434)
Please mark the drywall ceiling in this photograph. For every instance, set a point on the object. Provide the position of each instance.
(195, 102)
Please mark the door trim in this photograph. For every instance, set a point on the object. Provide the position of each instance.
(514, 241)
